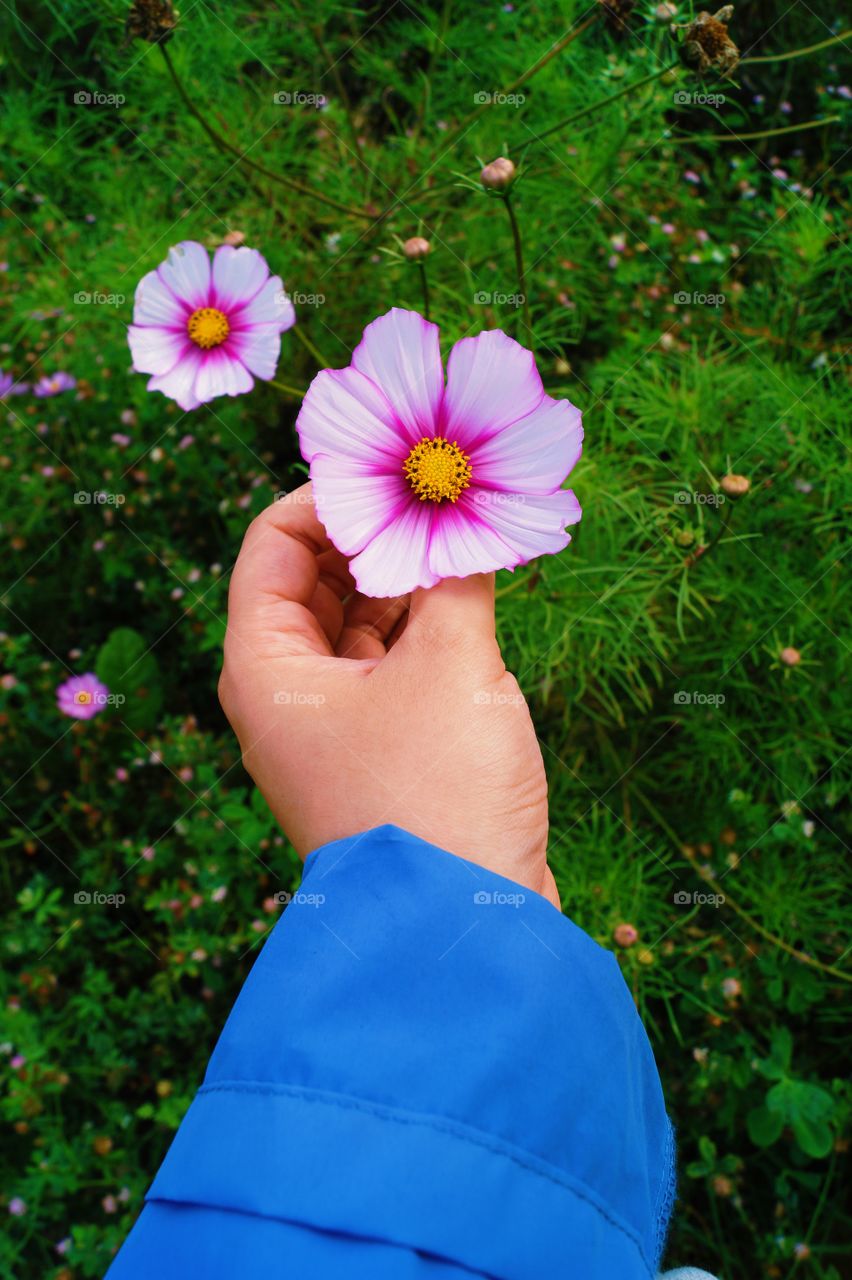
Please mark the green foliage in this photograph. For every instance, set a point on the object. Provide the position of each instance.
(698, 779)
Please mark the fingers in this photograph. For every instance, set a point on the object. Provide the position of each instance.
(458, 613)
(276, 577)
(368, 626)
(549, 889)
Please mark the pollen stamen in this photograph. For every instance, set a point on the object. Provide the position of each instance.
(437, 469)
(208, 327)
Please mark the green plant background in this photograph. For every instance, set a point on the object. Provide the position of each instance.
(685, 757)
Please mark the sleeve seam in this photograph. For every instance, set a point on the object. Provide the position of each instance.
(454, 1130)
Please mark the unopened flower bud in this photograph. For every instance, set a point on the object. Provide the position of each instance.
(735, 486)
(625, 935)
(416, 248)
(790, 656)
(498, 175)
(665, 12)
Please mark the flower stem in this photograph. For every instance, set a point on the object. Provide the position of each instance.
(470, 120)
(424, 281)
(309, 346)
(519, 263)
(745, 137)
(809, 960)
(282, 386)
(224, 145)
(798, 53)
(334, 67)
(602, 102)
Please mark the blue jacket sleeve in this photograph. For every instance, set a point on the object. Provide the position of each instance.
(430, 1072)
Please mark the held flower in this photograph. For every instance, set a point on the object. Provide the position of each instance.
(203, 332)
(418, 481)
(82, 696)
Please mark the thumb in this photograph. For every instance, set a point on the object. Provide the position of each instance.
(457, 613)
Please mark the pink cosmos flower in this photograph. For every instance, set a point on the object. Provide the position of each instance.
(54, 385)
(420, 481)
(9, 387)
(82, 696)
(204, 331)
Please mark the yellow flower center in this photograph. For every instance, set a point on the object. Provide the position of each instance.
(208, 327)
(82, 697)
(437, 469)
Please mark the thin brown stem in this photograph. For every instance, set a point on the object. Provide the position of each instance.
(333, 65)
(471, 119)
(224, 145)
(761, 929)
(519, 264)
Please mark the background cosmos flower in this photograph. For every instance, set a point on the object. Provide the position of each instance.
(54, 384)
(204, 332)
(82, 696)
(420, 481)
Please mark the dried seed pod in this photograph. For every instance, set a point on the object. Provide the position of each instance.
(707, 45)
(151, 20)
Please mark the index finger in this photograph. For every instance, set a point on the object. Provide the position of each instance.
(275, 578)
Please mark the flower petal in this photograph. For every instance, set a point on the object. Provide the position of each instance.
(463, 543)
(530, 525)
(345, 413)
(155, 304)
(238, 274)
(221, 374)
(491, 381)
(354, 502)
(399, 352)
(186, 272)
(179, 382)
(270, 305)
(156, 350)
(396, 561)
(258, 348)
(533, 455)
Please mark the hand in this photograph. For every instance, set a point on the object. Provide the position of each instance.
(352, 712)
